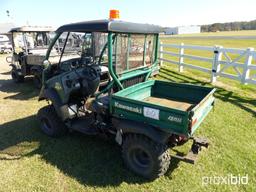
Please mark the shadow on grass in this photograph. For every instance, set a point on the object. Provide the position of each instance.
(174, 77)
(6, 73)
(90, 160)
(19, 91)
(245, 103)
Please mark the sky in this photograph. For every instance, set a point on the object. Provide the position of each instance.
(167, 13)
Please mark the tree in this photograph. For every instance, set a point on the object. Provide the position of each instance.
(233, 26)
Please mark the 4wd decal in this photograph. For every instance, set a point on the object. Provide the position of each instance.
(175, 119)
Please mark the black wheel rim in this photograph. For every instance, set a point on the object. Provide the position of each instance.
(46, 124)
(140, 158)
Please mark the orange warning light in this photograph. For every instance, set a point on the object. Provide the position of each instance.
(114, 14)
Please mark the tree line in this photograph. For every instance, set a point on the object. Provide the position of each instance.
(232, 26)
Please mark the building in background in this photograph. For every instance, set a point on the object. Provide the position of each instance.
(182, 30)
(5, 37)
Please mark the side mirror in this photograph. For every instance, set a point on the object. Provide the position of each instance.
(46, 63)
(8, 59)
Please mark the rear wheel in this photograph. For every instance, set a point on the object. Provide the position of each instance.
(145, 157)
(51, 124)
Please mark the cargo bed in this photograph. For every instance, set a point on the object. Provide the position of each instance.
(173, 107)
(171, 103)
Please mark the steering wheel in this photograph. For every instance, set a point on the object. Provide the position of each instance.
(91, 73)
(74, 65)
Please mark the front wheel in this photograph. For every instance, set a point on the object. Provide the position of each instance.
(37, 81)
(145, 157)
(51, 124)
(16, 77)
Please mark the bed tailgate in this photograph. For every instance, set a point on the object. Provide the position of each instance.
(200, 111)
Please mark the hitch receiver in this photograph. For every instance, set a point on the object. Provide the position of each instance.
(191, 157)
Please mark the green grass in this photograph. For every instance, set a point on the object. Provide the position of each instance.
(31, 161)
(221, 33)
(227, 43)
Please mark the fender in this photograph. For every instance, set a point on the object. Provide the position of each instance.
(50, 94)
(128, 126)
(60, 108)
(13, 66)
(16, 69)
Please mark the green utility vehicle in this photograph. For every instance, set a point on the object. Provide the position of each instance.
(146, 117)
(29, 44)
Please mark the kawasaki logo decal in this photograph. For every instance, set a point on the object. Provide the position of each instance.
(128, 108)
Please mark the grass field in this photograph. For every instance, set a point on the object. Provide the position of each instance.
(30, 161)
(222, 33)
(212, 40)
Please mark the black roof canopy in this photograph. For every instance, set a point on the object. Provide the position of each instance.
(32, 29)
(110, 26)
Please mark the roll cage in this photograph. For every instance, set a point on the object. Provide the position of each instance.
(124, 40)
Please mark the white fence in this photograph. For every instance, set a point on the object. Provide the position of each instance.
(244, 71)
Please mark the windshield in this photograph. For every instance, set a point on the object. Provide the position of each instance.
(29, 41)
(84, 47)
